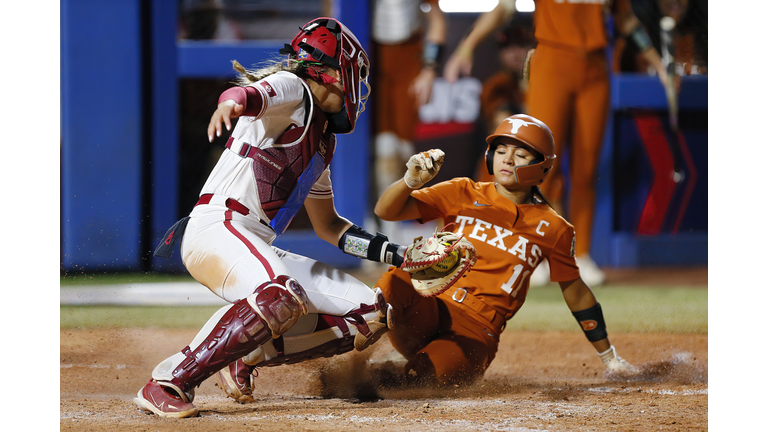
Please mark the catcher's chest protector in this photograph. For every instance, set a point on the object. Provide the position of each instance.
(285, 173)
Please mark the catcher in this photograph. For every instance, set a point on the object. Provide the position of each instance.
(451, 335)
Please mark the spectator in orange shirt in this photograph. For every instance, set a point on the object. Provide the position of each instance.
(568, 90)
(453, 337)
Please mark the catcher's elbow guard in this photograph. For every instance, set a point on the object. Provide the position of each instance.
(362, 244)
(592, 322)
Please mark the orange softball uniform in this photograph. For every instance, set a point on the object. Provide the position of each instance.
(569, 90)
(456, 333)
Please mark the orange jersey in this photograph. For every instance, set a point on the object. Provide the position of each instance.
(576, 24)
(511, 240)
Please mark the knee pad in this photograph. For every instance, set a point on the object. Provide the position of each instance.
(280, 303)
(327, 335)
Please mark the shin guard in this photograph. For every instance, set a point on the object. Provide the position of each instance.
(269, 312)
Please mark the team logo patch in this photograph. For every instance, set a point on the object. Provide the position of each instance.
(518, 123)
(588, 325)
(269, 89)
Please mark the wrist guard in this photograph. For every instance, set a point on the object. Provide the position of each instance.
(362, 244)
(432, 54)
(639, 37)
(592, 322)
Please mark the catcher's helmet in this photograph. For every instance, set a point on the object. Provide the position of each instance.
(328, 41)
(532, 133)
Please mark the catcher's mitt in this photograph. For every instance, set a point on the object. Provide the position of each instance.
(430, 261)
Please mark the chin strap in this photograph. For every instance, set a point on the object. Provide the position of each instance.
(315, 73)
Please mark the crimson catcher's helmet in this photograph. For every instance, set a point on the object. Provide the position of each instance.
(328, 41)
(531, 133)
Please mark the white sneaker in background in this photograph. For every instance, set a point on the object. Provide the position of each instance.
(590, 272)
(540, 276)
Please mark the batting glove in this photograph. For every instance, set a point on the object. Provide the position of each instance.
(614, 363)
(423, 167)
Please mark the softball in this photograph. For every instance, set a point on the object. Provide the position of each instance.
(447, 263)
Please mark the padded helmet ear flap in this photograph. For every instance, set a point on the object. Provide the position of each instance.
(489, 157)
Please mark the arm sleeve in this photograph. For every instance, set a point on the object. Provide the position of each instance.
(250, 98)
(562, 263)
(275, 95)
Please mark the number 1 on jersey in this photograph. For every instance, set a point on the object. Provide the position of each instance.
(509, 286)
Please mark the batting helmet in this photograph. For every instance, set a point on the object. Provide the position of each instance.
(535, 135)
(328, 41)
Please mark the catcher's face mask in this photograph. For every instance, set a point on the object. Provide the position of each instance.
(532, 133)
(328, 41)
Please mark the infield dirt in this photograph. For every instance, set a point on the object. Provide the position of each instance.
(549, 381)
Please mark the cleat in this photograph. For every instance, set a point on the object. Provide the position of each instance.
(376, 328)
(157, 399)
(237, 381)
(377, 331)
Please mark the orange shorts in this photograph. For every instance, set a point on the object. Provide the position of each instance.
(395, 69)
(443, 340)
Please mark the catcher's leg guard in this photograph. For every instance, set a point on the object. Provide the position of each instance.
(272, 309)
(322, 335)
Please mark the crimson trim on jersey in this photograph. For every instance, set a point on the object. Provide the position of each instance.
(248, 244)
(230, 204)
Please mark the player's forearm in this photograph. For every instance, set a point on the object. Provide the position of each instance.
(578, 296)
(437, 28)
(486, 24)
(392, 202)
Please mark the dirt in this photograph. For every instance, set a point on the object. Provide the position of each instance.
(539, 381)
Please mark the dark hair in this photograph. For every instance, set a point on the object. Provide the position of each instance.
(540, 195)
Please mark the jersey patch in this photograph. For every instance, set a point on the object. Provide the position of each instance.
(573, 246)
(268, 88)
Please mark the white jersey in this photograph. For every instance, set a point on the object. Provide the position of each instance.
(267, 153)
(395, 21)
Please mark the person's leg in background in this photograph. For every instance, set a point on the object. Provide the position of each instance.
(396, 110)
(550, 100)
(397, 114)
(590, 115)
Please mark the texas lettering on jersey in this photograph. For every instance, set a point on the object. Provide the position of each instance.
(494, 235)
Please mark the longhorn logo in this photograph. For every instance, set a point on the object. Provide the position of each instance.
(518, 123)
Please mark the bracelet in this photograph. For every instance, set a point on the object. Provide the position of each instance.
(466, 52)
